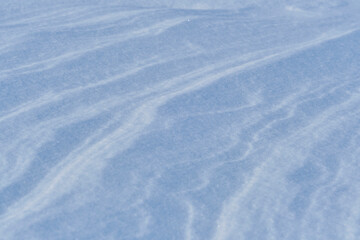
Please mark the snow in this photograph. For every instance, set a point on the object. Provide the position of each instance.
(186, 120)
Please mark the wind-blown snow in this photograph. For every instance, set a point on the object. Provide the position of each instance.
(180, 120)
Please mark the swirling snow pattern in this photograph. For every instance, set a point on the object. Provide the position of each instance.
(224, 120)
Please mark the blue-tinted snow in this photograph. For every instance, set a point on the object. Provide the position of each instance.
(180, 120)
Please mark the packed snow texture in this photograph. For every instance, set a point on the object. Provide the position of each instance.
(194, 120)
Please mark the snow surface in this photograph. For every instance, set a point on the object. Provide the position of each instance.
(145, 119)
